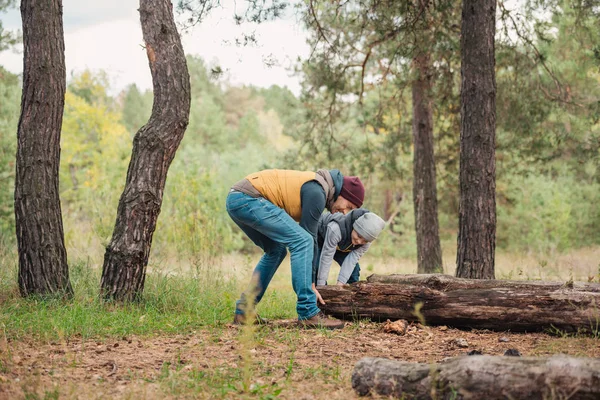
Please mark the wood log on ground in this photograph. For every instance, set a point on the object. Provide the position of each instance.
(469, 303)
(481, 377)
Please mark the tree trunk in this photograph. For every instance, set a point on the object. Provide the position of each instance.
(466, 303)
(154, 148)
(388, 201)
(481, 377)
(429, 250)
(43, 268)
(477, 208)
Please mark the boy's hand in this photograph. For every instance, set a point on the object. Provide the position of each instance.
(319, 298)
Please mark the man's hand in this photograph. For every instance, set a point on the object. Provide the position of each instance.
(319, 298)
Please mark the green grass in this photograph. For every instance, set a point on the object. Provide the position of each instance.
(222, 382)
(175, 303)
(170, 304)
(183, 301)
(199, 296)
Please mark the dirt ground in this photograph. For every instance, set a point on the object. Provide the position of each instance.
(277, 360)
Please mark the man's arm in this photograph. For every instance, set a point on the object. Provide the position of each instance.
(350, 262)
(332, 238)
(312, 198)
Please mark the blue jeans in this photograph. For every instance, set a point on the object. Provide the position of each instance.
(274, 231)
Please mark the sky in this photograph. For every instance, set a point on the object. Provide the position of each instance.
(106, 35)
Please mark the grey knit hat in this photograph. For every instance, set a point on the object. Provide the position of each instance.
(369, 226)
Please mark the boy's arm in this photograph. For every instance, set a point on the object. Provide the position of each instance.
(332, 238)
(350, 262)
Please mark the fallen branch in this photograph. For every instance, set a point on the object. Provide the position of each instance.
(481, 377)
(469, 303)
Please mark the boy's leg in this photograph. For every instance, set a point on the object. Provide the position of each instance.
(355, 277)
(339, 257)
(274, 223)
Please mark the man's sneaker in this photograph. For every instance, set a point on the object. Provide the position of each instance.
(240, 319)
(321, 321)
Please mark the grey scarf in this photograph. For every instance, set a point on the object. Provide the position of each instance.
(324, 178)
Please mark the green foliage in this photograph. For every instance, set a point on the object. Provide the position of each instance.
(399, 240)
(90, 185)
(545, 214)
(7, 38)
(248, 130)
(91, 87)
(10, 96)
(231, 133)
(548, 134)
(358, 112)
(136, 108)
(207, 123)
(548, 138)
(193, 225)
(283, 102)
(548, 92)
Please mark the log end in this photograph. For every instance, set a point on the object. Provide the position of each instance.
(390, 378)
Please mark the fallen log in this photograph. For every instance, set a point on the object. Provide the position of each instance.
(449, 282)
(469, 303)
(481, 377)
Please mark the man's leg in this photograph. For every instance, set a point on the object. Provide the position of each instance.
(269, 263)
(275, 224)
(301, 250)
(263, 273)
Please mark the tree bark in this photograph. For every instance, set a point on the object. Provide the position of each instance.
(465, 303)
(43, 268)
(477, 208)
(429, 250)
(154, 148)
(481, 377)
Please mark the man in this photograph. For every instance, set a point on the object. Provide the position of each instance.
(266, 205)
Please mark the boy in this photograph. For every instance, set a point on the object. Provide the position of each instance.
(344, 238)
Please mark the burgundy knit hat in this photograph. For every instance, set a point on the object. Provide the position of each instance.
(353, 190)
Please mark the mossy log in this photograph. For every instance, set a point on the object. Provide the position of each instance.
(469, 303)
(481, 377)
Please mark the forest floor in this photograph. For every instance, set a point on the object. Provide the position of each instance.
(43, 355)
(277, 360)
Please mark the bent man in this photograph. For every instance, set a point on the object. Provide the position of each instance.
(267, 206)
